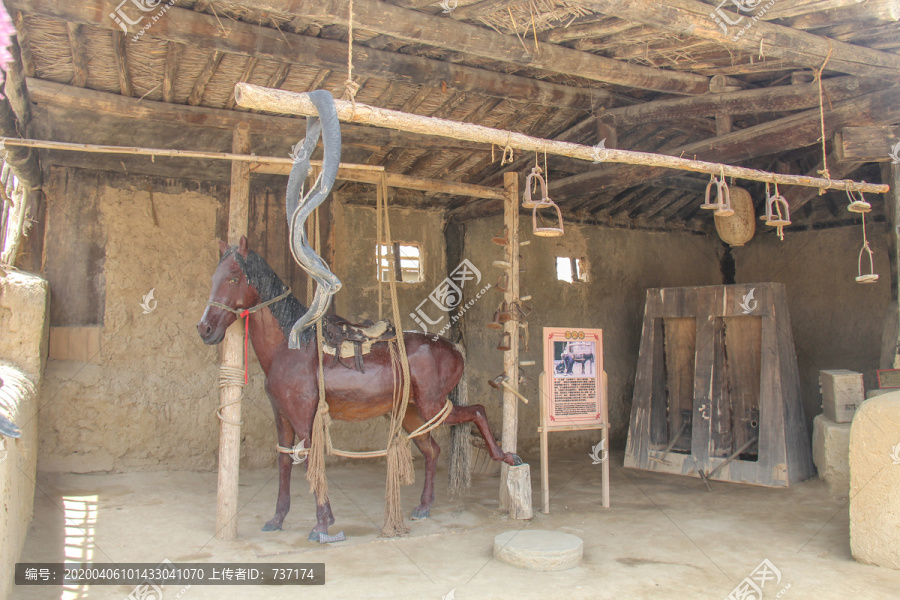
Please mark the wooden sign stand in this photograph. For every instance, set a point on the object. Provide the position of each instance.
(597, 420)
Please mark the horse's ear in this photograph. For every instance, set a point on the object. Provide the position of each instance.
(242, 246)
(223, 248)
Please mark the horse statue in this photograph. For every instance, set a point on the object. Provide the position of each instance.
(243, 281)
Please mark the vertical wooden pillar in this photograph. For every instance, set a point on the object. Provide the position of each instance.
(233, 353)
(511, 356)
(890, 353)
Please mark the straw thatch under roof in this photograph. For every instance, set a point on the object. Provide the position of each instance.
(197, 50)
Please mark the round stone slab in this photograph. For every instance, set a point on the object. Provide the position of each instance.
(539, 550)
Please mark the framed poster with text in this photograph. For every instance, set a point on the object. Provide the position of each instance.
(573, 364)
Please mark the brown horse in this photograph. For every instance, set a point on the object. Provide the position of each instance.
(244, 280)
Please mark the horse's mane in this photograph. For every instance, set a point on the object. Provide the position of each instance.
(261, 276)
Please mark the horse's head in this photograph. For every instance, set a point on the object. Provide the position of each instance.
(230, 288)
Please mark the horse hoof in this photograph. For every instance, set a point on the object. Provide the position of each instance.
(314, 536)
(420, 513)
(516, 460)
(270, 526)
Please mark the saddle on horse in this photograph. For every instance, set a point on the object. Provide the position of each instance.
(361, 336)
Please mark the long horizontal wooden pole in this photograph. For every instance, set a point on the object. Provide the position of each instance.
(212, 33)
(276, 166)
(774, 99)
(260, 98)
(441, 32)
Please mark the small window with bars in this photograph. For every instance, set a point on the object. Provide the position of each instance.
(409, 265)
(571, 269)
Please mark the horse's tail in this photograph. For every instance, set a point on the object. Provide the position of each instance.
(460, 443)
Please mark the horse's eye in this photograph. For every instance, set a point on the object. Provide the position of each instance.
(233, 280)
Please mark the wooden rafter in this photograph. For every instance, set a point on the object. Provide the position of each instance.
(225, 35)
(174, 51)
(79, 55)
(206, 74)
(416, 27)
(596, 29)
(119, 43)
(24, 39)
(245, 76)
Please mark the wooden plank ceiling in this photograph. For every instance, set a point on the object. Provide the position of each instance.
(648, 75)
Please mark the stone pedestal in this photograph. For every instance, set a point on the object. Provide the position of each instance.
(831, 454)
(875, 481)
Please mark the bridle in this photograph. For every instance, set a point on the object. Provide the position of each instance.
(246, 312)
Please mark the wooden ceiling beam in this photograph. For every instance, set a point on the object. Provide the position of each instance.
(441, 32)
(867, 144)
(692, 18)
(780, 135)
(743, 102)
(225, 35)
(105, 104)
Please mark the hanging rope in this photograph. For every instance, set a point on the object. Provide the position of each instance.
(508, 152)
(350, 87)
(818, 77)
(399, 458)
(320, 438)
(382, 249)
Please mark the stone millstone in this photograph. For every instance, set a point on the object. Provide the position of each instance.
(874, 481)
(539, 550)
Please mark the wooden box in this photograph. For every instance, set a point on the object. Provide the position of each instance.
(842, 393)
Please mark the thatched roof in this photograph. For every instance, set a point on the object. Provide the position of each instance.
(197, 50)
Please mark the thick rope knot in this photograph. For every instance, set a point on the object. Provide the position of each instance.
(351, 88)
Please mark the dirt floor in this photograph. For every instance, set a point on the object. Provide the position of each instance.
(663, 537)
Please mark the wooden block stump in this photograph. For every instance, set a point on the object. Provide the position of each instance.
(518, 483)
(874, 481)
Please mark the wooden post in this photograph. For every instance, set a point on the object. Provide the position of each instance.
(233, 354)
(519, 504)
(545, 446)
(604, 475)
(890, 353)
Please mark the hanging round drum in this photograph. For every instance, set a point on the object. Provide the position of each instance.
(738, 228)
